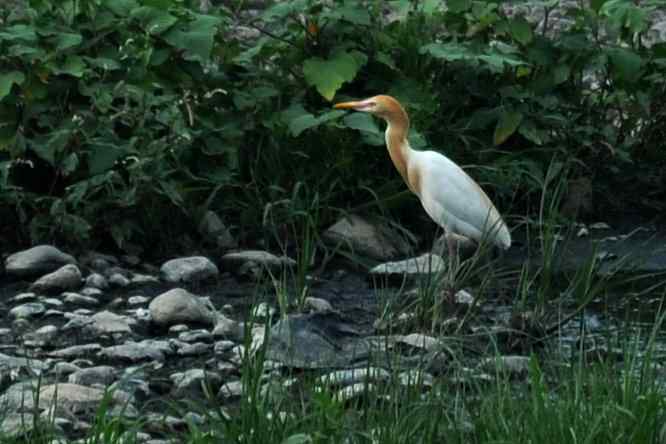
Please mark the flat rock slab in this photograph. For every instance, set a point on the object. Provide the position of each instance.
(317, 340)
(36, 261)
(365, 238)
(424, 265)
(616, 250)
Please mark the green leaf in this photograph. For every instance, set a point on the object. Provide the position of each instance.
(361, 122)
(306, 121)
(9, 79)
(299, 438)
(103, 156)
(284, 9)
(507, 125)
(529, 131)
(74, 66)
(627, 64)
(329, 75)
(561, 73)
(458, 6)
(521, 30)
(450, 52)
(121, 7)
(67, 40)
(23, 33)
(154, 20)
(195, 38)
(597, 4)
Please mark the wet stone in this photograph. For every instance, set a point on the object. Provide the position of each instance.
(196, 381)
(317, 304)
(137, 300)
(37, 260)
(79, 299)
(189, 269)
(195, 335)
(76, 351)
(228, 328)
(354, 391)
(414, 267)
(195, 349)
(68, 277)
(29, 310)
(41, 337)
(231, 390)
(179, 306)
(102, 375)
(24, 297)
(118, 280)
(106, 322)
(147, 350)
(96, 280)
(513, 365)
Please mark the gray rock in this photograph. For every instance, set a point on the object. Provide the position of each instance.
(419, 340)
(147, 350)
(96, 280)
(106, 323)
(195, 335)
(8, 363)
(189, 269)
(231, 390)
(79, 299)
(76, 351)
(143, 279)
(414, 267)
(364, 238)
(179, 306)
(64, 368)
(24, 297)
(102, 375)
(98, 261)
(36, 260)
(215, 232)
(228, 328)
(137, 300)
(314, 341)
(223, 346)
(67, 277)
(254, 262)
(29, 310)
(41, 337)
(317, 305)
(513, 365)
(196, 382)
(118, 280)
(196, 349)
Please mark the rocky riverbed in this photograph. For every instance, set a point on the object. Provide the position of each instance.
(77, 329)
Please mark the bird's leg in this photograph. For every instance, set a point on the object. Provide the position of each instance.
(453, 268)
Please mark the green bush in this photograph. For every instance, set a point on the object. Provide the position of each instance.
(115, 115)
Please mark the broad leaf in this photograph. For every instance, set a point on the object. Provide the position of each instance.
(103, 156)
(447, 51)
(65, 41)
(361, 122)
(74, 66)
(23, 33)
(457, 6)
(301, 123)
(195, 38)
(154, 20)
(626, 63)
(329, 75)
(121, 7)
(9, 79)
(521, 30)
(507, 125)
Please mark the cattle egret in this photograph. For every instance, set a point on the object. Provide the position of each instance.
(450, 197)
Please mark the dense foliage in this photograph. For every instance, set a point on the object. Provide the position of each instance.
(119, 115)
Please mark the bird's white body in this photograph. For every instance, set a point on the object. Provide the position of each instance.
(454, 201)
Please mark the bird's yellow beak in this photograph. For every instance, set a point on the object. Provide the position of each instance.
(361, 105)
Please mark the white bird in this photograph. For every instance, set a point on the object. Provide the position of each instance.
(450, 197)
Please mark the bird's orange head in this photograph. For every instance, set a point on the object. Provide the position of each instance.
(382, 106)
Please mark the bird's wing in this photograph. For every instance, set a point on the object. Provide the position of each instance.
(453, 200)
